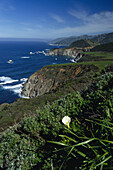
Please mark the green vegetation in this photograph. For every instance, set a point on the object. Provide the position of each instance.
(37, 138)
(11, 114)
(101, 39)
(87, 144)
(101, 57)
(71, 79)
(66, 41)
(101, 65)
(83, 43)
(104, 47)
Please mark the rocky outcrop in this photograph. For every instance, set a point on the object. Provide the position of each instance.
(51, 77)
(71, 52)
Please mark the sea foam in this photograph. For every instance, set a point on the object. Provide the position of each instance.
(10, 84)
(73, 61)
(25, 57)
(17, 89)
(6, 80)
(23, 79)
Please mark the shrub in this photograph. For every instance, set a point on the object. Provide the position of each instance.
(91, 112)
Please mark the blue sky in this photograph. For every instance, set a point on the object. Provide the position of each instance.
(54, 18)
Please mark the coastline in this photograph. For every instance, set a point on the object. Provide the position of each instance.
(59, 45)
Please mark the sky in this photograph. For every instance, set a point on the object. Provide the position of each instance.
(54, 18)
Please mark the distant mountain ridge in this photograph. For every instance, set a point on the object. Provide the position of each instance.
(83, 43)
(68, 40)
(101, 38)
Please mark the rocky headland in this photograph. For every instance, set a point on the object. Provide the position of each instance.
(70, 52)
(49, 78)
(75, 50)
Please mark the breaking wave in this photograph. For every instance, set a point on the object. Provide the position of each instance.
(10, 84)
(25, 57)
(73, 61)
(14, 88)
(6, 80)
(23, 79)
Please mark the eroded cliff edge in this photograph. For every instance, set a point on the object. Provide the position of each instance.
(71, 52)
(49, 78)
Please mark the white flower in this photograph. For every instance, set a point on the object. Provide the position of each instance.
(66, 120)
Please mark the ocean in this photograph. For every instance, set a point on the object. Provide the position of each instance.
(14, 74)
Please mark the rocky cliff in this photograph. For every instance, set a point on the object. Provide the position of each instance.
(49, 78)
(71, 52)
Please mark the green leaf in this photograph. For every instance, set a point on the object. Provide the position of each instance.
(58, 143)
(104, 161)
(99, 124)
(86, 142)
(71, 139)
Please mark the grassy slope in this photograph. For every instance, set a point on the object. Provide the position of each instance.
(100, 59)
(104, 47)
(83, 43)
(26, 147)
(10, 114)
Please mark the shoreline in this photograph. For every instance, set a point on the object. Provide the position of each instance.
(60, 45)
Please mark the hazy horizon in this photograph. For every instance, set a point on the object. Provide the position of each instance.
(24, 39)
(44, 39)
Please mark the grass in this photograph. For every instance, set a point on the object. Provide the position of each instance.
(100, 64)
(104, 55)
(104, 60)
(88, 144)
(13, 113)
(99, 59)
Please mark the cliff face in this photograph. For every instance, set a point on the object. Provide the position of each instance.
(71, 52)
(49, 78)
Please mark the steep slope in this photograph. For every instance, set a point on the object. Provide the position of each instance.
(49, 78)
(27, 144)
(83, 43)
(101, 38)
(71, 52)
(108, 47)
(68, 40)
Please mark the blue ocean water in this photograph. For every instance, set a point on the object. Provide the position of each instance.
(13, 75)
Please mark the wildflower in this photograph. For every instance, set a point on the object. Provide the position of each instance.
(66, 120)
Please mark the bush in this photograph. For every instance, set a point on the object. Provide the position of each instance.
(25, 145)
(88, 143)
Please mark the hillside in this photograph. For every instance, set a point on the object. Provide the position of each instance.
(42, 141)
(102, 38)
(60, 79)
(108, 47)
(44, 86)
(49, 78)
(66, 41)
(82, 43)
(97, 57)
(36, 137)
